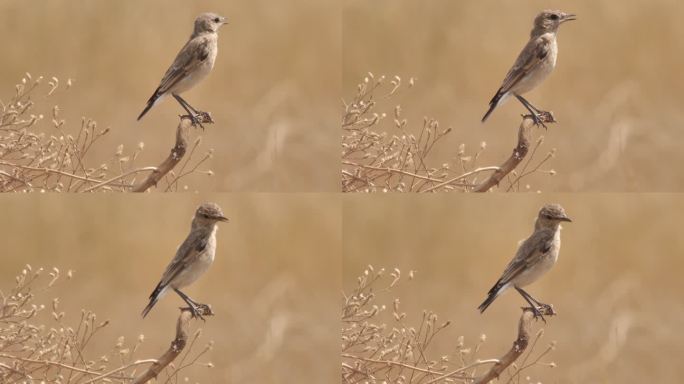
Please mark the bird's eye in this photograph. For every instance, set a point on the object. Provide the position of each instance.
(216, 20)
(554, 16)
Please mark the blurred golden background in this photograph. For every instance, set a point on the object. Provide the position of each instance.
(273, 291)
(616, 287)
(274, 92)
(616, 91)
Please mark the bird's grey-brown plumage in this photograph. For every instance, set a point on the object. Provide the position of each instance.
(534, 63)
(193, 257)
(192, 64)
(535, 256)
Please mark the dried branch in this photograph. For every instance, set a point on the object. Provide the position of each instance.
(176, 155)
(518, 348)
(177, 344)
(384, 347)
(55, 157)
(38, 345)
(519, 152)
(400, 159)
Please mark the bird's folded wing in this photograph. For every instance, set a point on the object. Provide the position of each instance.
(190, 57)
(187, 253)
(531, 56)
(530, 252)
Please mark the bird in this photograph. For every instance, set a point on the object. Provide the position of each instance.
(536, 61)
(192, 64)
(535, 256)
(193, 258)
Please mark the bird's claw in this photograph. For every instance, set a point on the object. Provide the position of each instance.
(541, 310)
(199, 310)
(540, 118)
(199, 118)
(538, 121)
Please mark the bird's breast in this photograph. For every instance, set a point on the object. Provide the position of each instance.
(537, 75)
(543, 265)
(202, 70)
(201, 264)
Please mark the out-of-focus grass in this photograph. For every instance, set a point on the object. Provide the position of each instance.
(273, 291)
(616, 91)
(274, 91)
(616, 287)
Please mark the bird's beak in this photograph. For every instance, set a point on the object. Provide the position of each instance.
(224, 21)
(565, 218)
(569, 17)
(222, 218)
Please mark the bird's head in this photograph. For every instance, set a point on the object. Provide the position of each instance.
(551, 215)
(209, 213)
(209, 22)
(549, 21)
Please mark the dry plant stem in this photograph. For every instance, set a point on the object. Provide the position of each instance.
(39, 151)
(519, 346)
(383, 152)
(176, 155)
(519, 152)
(177, 345)
(379, 345)
(56, 352)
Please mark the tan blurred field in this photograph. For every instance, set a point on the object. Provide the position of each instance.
(617, 89)
(273, 291)
(274, 92)
(617, 285)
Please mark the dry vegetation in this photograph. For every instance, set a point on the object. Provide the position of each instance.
(54, 157)
(38, 345)
(273, 117)
(378, 349)
(382, 152)
(617, 124)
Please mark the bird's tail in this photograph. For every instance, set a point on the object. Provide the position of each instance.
(150, 103)
(157, 294)
(493, 293)
(496, 100)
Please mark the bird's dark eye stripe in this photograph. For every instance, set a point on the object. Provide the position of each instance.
(554, 16)
(216, 20)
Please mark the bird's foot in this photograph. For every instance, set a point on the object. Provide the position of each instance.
(541, 117)
(199, 310)
(199, 118)
(541, 310)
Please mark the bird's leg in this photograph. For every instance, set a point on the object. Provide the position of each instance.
(529, 300)
(189, 106)
(192, 112)
(205, 116)
(536, 113)
(536, 305)
(194, 306)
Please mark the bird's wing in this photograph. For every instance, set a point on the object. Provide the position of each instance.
(187, 253)
(529, 253)
(531, 56)
(194, 53)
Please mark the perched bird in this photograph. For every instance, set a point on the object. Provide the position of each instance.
(535, 256)
(192, 64)
(193, 257)
(536, 61)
